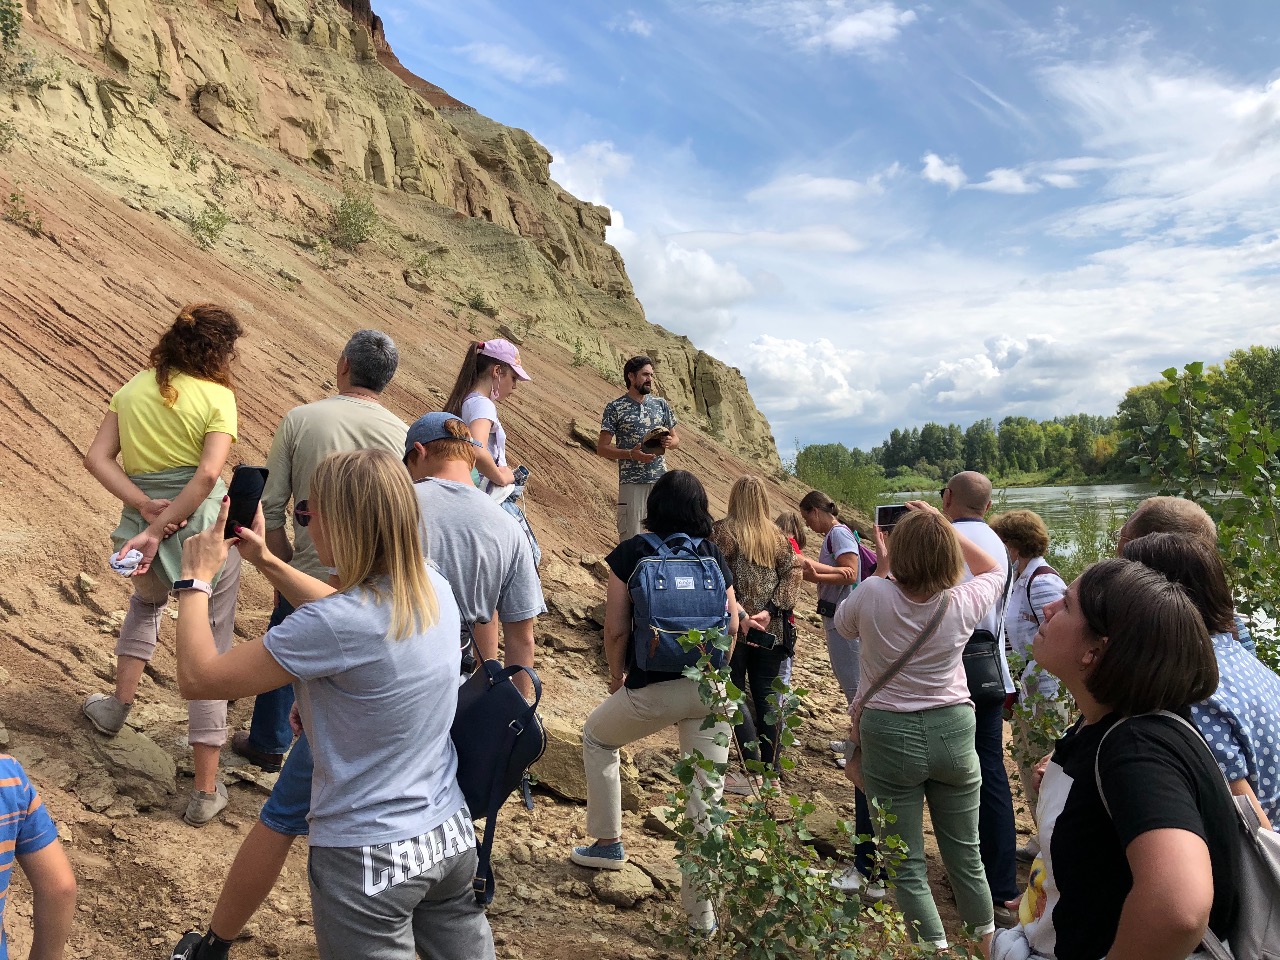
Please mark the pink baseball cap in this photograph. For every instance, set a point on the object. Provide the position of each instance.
(505, 351)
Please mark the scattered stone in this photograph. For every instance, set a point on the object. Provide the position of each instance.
(571, 888)
(86, 583)
(521, 853)
(417, 280)
(96, 790)
(583, 436)
(510, 334)
(623, 888)
(595, 566)
(138, 766)
(657, 821)
(560, 769)
(286, 274)
(4, 677)
(596, 615)
(664, 873)
(571, 642)
(823, 823)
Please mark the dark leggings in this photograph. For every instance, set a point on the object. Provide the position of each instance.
(753, 670)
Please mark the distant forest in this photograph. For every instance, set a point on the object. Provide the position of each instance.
(1080, 448)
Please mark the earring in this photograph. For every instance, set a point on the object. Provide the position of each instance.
(493, 387)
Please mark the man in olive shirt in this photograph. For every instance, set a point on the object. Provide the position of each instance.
(624, 425)
(353, 419)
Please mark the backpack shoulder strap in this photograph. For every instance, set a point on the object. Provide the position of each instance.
(1043, 568)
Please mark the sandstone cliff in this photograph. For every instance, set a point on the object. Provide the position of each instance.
(261, 107)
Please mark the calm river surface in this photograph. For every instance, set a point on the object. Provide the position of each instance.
(1052, 502)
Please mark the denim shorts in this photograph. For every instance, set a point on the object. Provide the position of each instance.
(287, 808)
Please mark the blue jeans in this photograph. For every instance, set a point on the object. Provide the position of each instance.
(286, 809)
(269, 731)
(997, 833)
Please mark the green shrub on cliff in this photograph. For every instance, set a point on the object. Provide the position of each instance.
(355, 219)
(10, 26)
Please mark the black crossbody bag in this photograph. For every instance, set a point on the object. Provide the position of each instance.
(982, 660)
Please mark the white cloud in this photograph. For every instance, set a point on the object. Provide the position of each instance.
(937, 170)
(825, 238)
(1063, 181)
(510, 65)
(840, 26)
(683, 288)
(1005, 180)
(805, 188)
(632, 22)
(805, 383)
(585, 171)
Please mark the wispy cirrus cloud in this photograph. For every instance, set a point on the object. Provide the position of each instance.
(511, 65)
(837, 26)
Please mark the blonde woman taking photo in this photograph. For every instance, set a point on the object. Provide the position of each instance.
(375, 663)
(766, 575)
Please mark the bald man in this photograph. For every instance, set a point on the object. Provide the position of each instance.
(966, 499)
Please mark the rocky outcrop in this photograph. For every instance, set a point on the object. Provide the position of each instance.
(314, 83)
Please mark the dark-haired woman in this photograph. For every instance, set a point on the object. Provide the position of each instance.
(1241, 719)
(642, 702)
(172, 427)
(1144, 867)
(489, 374)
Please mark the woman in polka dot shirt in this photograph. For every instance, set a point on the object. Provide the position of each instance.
(1241, 720)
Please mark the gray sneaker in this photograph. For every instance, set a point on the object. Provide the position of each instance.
(106, 713)
(203, 807)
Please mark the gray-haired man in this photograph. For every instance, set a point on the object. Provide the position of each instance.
(353, 419)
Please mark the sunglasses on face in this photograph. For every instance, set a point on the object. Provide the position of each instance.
(301, 515)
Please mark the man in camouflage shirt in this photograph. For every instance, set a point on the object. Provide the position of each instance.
(622, 428)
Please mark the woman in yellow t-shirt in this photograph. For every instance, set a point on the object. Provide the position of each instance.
(172, 427)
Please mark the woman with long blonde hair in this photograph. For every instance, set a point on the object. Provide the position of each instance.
(766, 575)
(374, 659)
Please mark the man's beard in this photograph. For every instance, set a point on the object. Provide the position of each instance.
(645, 388)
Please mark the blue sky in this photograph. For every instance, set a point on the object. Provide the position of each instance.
(886, 213)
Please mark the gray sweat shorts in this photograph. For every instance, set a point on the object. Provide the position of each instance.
(395, 901)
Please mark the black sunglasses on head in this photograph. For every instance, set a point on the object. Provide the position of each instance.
(301, 515)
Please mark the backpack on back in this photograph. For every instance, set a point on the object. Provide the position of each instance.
(867, 560)
(672, 592)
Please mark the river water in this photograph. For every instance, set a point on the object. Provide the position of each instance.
(1054, 503)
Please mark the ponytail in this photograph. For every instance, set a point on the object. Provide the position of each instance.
(474, 365)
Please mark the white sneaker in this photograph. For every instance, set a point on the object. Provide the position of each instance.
(848, 880)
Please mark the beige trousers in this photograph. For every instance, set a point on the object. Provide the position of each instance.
(206, 719)
(633, 499)
(631, 715)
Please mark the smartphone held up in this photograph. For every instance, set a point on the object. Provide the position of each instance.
(887, 516)
(245, 491)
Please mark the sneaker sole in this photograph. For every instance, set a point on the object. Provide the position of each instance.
(596, 863)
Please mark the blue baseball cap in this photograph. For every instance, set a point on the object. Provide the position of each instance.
(429, 427)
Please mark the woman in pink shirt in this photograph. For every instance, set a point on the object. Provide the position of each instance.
(917, 727)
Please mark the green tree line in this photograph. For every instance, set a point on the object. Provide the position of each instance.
(1079, 448)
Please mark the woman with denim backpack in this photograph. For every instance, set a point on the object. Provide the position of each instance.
(642, 701)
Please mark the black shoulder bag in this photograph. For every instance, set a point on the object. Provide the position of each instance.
(497, 735)
(982, 659)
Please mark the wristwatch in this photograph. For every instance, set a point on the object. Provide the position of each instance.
(190, 584)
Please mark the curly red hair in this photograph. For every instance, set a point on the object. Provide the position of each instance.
(201, 343)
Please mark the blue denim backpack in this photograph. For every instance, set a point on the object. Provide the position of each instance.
(672, 592)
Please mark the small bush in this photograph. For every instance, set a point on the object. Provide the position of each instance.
(579, 352)
(10, 26)
(15, 210)
(476, 301)
(421, 262)
(208, 226)
(355, 219)
(8, 135)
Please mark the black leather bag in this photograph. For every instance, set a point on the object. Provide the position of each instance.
(982, 669)
(497, 735)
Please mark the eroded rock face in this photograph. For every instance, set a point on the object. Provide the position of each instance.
(315, 82)
(560, 769)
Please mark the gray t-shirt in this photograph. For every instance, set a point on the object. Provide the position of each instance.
(838, 541)
(481, 551)
(377, 712)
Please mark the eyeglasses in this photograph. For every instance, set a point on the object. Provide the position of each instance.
(301, 515)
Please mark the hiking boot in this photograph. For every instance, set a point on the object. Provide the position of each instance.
(203, 807)
(106, 713)
(607, 856)
(270, 762)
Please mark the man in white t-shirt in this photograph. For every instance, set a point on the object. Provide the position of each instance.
(966, 500)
